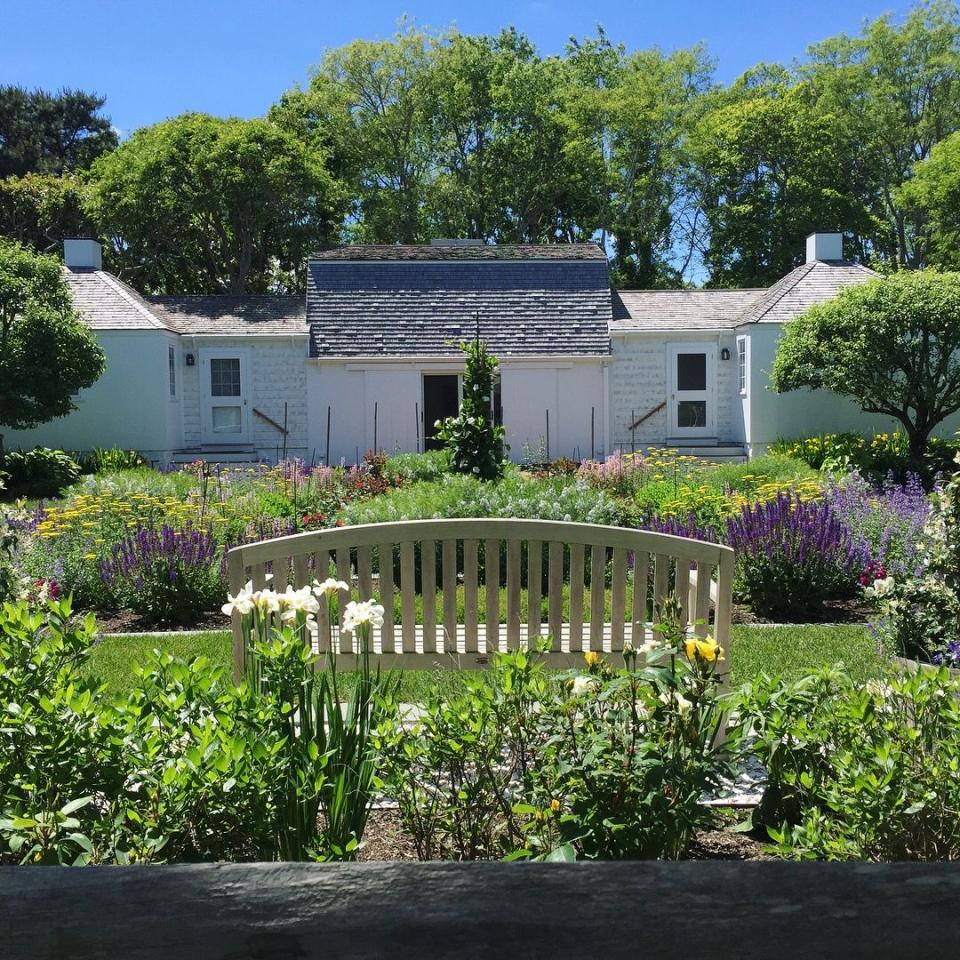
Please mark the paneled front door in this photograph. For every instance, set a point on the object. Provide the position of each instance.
(692, 384)
(224, 410)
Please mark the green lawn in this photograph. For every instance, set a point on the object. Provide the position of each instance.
(786, 651)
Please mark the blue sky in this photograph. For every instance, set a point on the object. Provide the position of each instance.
(156, 58)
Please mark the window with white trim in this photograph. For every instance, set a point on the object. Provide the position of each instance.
(172, 367)
(742, 365)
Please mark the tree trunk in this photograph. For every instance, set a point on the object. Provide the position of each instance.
(917, 437)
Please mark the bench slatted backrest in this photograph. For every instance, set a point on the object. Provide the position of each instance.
(603, 586)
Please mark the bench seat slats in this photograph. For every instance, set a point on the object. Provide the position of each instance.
(470, 576)
(491, 560)
(385, 559)
(618, 597)
(598, 574)
(576, 596)
(408, 594)
(534, 580)
(428, 578)
(555, 593)
(644, 569)
(641, 573)
(449, 589)
(513, 594)
(343, 573)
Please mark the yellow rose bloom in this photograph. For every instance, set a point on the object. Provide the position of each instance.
(708, 650)
(591, 658)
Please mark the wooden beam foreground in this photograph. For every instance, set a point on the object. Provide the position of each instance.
(379, 910)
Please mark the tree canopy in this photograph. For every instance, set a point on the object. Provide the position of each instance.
(891, 344)
(203, 205)
(47, 354)
(441, 134)
(43, 132)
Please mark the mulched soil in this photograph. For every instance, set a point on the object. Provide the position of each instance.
(126, 621)
(834, 611)
(385, 839)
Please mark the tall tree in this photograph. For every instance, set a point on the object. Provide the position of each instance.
(363, 107)
(508, 167)
(47, 353)
(199, 204)
(40, 209)
(43, 132)
(638, 110)
(771, 171)
(895, 91)
(930, 199)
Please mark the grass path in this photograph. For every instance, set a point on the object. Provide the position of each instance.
(787, 651)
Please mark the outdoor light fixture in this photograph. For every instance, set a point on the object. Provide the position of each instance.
(189, 359)
(724, 354)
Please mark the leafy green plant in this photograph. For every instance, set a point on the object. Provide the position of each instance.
(474, 441)
(920, 613)
(452, 771)
(610, 763)
(858, 772)
(627, 754)
(40, 472)
(110, 460)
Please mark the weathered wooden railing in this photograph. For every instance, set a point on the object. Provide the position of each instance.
(419, 559)
(791, 911)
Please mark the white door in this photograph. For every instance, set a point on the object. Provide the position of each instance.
(224, 413)
(692, 380)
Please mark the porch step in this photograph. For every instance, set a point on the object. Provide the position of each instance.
(232, 453)
(717, 452)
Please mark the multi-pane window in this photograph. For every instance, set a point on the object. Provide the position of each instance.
(742, 364)
(172, 367)
(225, 377)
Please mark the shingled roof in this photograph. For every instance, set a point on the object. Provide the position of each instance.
(233, 316)
(106, 303)
(810, 283)
(442, 252)
(663, 311)
(369, 305)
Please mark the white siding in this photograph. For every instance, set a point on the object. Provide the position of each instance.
(354, 390)
(129, 406)
(277, 376)
(802, 413)
(639, 382)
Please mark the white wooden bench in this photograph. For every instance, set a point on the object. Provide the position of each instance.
(438, 556)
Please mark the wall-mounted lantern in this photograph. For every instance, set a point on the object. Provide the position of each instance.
(724, 354)
(189, 359)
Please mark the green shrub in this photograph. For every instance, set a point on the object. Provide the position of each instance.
(873, 457)
(40, 472)
(109, 460)
(415, 467)
(455, 496)
(186, 767)
(627, 755)
(858, 772)
(474, 441)
(607, 764)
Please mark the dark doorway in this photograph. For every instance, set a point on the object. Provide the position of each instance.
(441, 399)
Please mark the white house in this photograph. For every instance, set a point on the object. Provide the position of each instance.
(370, 358)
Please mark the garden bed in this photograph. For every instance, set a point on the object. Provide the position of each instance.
(385, 840)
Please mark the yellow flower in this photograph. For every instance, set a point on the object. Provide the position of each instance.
(707, 649)
(555, 805)
(89, 556)
(591, 658)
